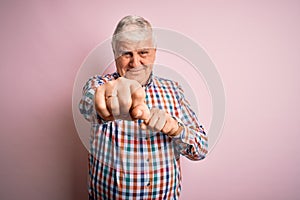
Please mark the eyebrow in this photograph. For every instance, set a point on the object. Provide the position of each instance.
(144, 49)
(123, 51)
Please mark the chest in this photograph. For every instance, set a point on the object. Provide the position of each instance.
(164, 98)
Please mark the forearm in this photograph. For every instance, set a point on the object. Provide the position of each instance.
(86, 104)
(192, 141)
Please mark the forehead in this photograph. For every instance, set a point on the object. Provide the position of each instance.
(128, 45)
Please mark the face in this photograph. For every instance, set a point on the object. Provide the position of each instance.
(134, 60)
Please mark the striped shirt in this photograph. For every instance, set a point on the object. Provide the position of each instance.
(126, 162)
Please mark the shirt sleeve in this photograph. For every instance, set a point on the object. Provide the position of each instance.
(86, 104)
(192, 142)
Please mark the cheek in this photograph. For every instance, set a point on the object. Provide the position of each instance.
(149, 68)
(151, 59)
(121, 65)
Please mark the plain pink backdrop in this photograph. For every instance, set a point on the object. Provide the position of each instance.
(254, 44)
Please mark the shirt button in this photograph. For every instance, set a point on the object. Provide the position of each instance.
(146, 138)
(147, 159)
(148, 184)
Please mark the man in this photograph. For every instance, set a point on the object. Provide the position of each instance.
(141, 123)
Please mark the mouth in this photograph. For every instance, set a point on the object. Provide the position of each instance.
(135, 73)
(140, 74)
(135, 69)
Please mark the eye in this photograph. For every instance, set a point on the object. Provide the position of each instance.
(127, 54)
(144, 52)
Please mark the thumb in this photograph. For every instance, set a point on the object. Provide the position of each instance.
(137, 95)
(140, 112)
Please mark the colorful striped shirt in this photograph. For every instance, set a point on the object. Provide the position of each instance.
(127, 162)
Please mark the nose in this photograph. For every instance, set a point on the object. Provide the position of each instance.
(135, 61)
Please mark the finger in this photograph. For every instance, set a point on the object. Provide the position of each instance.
(140, 112)
(124, 98)
(173, 131)
(170, 127)
(143, 126)
(146, 112)
(137, 95)
(153, 120)
(100, 102)
(114, 105)
(161, 121)
(167, 128)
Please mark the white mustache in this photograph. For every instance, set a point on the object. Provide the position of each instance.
(136, 69)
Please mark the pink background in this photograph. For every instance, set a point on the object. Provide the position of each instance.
(255, 46)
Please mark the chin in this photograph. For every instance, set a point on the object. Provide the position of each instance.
(137, 78)
(141, 81)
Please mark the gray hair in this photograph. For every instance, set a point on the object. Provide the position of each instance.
(132, 28)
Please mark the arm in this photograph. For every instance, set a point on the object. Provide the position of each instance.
(105, 99)
(192, 141)
(189, 138)
(86, 104)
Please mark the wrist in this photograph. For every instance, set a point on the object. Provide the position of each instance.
(179, 129)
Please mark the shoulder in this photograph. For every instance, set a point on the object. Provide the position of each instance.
(104, 78)
(164, 82)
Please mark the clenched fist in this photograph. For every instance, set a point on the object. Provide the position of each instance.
(121, 99)
(160, 120)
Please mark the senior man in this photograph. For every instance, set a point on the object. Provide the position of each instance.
(141, 123)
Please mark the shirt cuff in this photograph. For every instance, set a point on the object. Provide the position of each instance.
(180, 126)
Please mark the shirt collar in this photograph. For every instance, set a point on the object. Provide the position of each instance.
(149, 82)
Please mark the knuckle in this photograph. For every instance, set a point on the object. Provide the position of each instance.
(108, 84)
(123, 102)
(169, 119)
(165, 129)
(161, 113)
(100, 87)
(120, 79)
(139, 94)
(114, 106)
(158, 127)
(154, 110)
(100, 107)
(151, 126)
